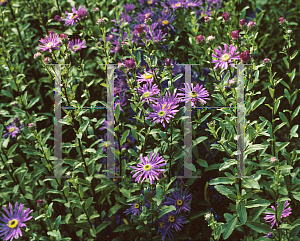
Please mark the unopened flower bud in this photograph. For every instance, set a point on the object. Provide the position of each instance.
(266, 60)
(226, 16)
(57, 18)
(199, 39)
(242, 22)
(37, 55)
(30, 125)
(47, 60)
(251, 25)
(40, 202)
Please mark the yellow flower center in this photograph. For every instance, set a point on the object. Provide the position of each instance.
(225, 57)
(161, 224)
(148, 76)
(159, 20)
(161, 113)
(74, 15)
(49, 45)
(178, 4)
(144, 67)
(171, 219)
(115, 179)
(202, 14)
(166, 10)
(179, 202)
(164, 106)
(136, 206)
(12, 129)
(193, 94)
(75, 47)
(13, 223)
(165, 22)
(147, 167)
(146, 94)
(150, 2)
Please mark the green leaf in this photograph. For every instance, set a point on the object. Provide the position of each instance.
(279, 126)
(199, 140)
(276, 106)
(285, 84)
(286, 62)
(49, 210)
(123, 227)
(105, 193)
(257, 203)
(283, 145)
(285, 167)
(166, 209)
(293, 131)
(294, 55)
(257, 103)
(88, 202)
(159, 194)
(124, 136)
(80, 190)
(253, 148)
(279, 211)
(33, 102)
(227, 164)
(83, 127)
(114, 209)
(147, 194)
(259, 227)
(190, 166)
(296, 112)
(230, 227)
(125, 192)
(102, 226)
(250, 183)
(117, 112)
(57, 222)
(221, 180)
(224, 190)
(11, 150)
(202, 163)
(7, 93)
(242, 212)
(93, 232)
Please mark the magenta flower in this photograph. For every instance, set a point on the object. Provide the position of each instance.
(11, 131)
(226, 16)
(149, 167)
(163, 110)
(130, 64)
(50, 42)
(129, 7)
(57, 18)
(242, 22)
(147, 77)
(200, 39)
(224, 58)
(77, 45)
(13, 222)
(271, 216)
(75, 16)
(195, 94)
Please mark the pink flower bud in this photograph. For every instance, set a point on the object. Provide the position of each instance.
(251, 24)
(242, 22)
(266, 60)
(226, 16)
(200, 38)
(235, 34)
(245, 56)
(282, 20)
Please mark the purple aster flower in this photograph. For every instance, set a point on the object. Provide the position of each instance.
(81, 13)
(158, 36)
(121, 100)
(149, 167)
(174, 4)
(12, 131)
(145, 12)
(163, 111)
(271, 216)
(77, 45)
(196, 94)
(173, 220)
(129, 7)
(49, 42)
(147, 91)
(162, 230)
(13, 222)
(121, 85)
(147, 77)
(269, 235)
(135, 209)
(192, 3)
(124, 17)
(149, 2)
(57, 18)
(71, 18)
(3, 2)
(181, 200)
(224, 58)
